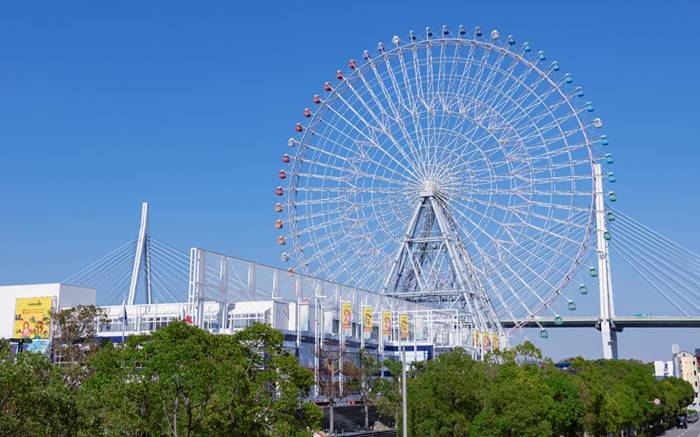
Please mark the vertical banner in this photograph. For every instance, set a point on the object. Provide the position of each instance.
(494, 341)
(346, 309)
(386, 323)
(33, 321)
(486, 338)
(476, 341)
(367, 314)
(403, 326)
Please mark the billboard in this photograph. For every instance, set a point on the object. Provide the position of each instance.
(33, 321)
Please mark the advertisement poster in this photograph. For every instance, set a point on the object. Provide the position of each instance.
(476, 341)
(346, 309)
(386, 323)
(403, 326)
(486, 338)
(367, 314)
(33, 321)
(494, 341)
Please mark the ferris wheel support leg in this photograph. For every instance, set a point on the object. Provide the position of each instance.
(607, 327)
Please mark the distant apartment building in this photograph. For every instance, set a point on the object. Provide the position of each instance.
(663, 369)
(685, 366)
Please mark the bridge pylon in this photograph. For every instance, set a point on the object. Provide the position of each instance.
(142, 260)
(605, 324)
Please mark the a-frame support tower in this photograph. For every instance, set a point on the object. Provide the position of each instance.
(433, 267)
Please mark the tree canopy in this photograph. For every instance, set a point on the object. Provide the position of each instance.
(518, 393)
(179, 381)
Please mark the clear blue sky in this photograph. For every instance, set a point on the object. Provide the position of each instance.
(188, 105)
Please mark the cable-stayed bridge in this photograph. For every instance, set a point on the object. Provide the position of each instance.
(145, 270)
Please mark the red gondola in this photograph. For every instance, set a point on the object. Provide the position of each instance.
(298, 127)
(307, 112)
(282, 174)
(339, 74)
(317, 99)
(279, 191)
(327, 86)
(352, 64)
(285, 158)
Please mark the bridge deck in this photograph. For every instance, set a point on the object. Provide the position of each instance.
(619, 321)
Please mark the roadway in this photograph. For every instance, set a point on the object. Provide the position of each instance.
(620, 322)
(692, 431)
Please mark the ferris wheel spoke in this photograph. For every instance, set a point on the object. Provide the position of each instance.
(389, 102)
(495, 287)
(410, 107)
(508, 267)
(360, 155)
(381, 124)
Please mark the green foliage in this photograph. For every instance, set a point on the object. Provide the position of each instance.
(180, 381)
(75, 335)
(34, 398)
(184, 381)
(518, 393)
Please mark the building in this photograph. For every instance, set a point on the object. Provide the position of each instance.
(25, 311)
(663, 369)
(686, 368)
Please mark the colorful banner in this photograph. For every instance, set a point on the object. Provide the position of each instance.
(403, 326)
(386, 323)
(494, 341)
(476, 340)
(32, 317)
(346, 309)
(486, 338)
(367, 315)
(33, 321)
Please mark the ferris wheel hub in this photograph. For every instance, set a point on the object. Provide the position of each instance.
(429, 188)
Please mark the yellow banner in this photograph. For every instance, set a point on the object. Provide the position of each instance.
(32, 317)
(386, 322)
(476, 341)
(403, 326)
(346, 309)
(486, 338)
(494, 341)
(367, 315)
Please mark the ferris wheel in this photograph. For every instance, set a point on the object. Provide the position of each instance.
(455, 168)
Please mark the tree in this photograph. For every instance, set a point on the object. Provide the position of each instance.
(389, 390)
(517, 402)
(34, 398)
(446, 396)
(332, 361)
(184, 381)
(567, 412)
(75, 333)
(364, 379)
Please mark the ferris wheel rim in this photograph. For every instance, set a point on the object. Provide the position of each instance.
(415, 45)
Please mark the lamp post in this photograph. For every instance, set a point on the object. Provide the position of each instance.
(403, 390)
